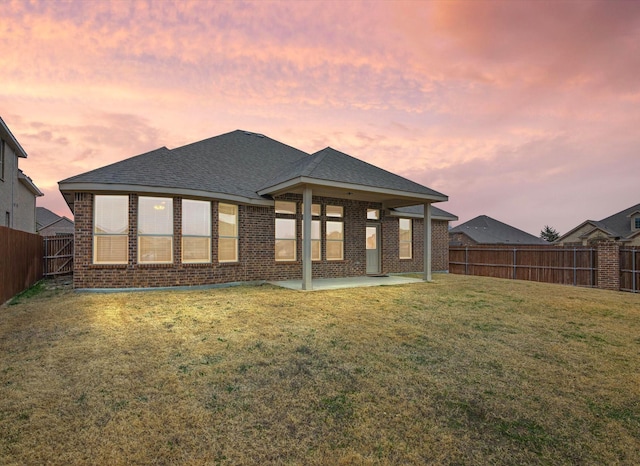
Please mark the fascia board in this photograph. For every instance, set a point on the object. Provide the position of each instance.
(433, 217)
(348, 186)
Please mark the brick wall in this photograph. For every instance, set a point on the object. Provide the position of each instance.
(256, 257)
(391, 262)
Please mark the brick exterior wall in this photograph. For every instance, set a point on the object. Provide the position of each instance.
(256, 256)
(391, 262)
(609, 265)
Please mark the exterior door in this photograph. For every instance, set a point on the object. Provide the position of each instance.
(373, 249)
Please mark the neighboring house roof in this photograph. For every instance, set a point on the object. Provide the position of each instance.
(45, 217)
(418, 212)
(50, 222)
(9, 138)
(247, 167)
(617, 225)
(25, 180)
(486, 230)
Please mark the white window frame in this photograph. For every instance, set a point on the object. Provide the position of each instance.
(333, 241)
(167, 203)
(286, 207)
(97, 235)
(293, 240)
(335, 211)
(404, 241)
(227, 237)
(206, 233)
(373, 214)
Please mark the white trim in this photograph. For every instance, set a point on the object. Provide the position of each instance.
(295, 182)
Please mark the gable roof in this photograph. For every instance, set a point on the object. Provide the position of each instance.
(243, 167)
(45, 217)
(332, 167)
(617, 225)
(486, 230)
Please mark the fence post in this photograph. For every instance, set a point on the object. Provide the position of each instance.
(609, 265)
(514, 263)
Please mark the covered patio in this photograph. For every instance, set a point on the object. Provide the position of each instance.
(348, 282)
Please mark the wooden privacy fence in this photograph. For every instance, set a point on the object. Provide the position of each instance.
(550, 264)
(20, 261)
(630, 270)
(58, 255)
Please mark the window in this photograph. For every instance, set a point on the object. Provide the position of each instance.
(334, 211)
(196, 231)
(227, 233)
(637, 223)
(110, 229)
(285, 239)
(155, 230)
(335, 240)
(285, 207)
(7, 220)
(1, 160)
(373, 214)
(405, 238)
(316, 247)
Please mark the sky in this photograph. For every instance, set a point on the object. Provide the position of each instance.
(525, 111)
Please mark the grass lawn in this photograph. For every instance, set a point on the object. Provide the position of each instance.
(464, 370)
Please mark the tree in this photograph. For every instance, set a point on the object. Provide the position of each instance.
(549, 234)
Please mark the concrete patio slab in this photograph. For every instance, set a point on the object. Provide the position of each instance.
(350, 282)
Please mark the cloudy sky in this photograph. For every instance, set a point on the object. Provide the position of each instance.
(526, 111)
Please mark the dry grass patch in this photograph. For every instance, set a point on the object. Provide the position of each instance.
(465, 370)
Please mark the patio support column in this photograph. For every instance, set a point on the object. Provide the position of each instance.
(427, 242)
(306, 239)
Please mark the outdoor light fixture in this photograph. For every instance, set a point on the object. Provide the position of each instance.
(159, 206)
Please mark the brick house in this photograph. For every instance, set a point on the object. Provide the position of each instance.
(17, 191)
(242, 207)
(623, 226)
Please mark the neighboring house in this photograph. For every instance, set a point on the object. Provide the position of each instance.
(623, 226)
(17, 191)
(486, 230)
(51, 224)
(232, 209)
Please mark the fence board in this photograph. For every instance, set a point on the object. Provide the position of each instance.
(20, 261)
(549, 264)
(630, 270)
(58, 255)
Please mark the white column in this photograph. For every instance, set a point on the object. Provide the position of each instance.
(306, 241)
(427, 242)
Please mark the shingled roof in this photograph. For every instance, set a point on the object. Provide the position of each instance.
(486, 230)
(240, 166)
